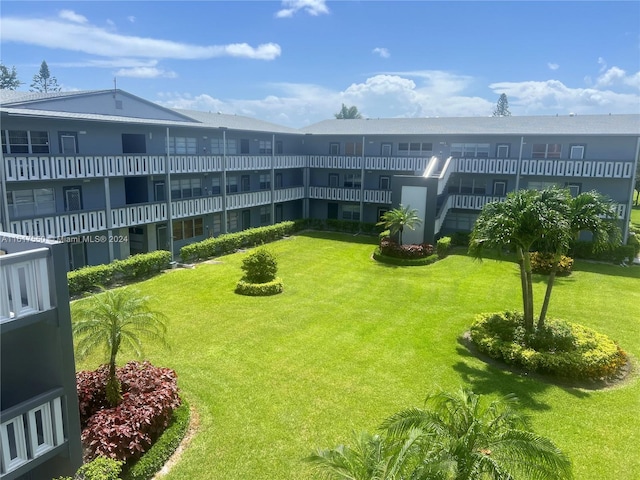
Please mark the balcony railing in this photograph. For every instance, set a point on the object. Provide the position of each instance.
(24, 283)
(549, 168)
(31, 429)
(349, 194)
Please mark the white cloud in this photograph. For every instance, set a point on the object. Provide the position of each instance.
(553, 66)
(72, 16)
(145, 72)
(312, 7)
(383, 52)
(617, 76)
(131, 19)
(94, 40)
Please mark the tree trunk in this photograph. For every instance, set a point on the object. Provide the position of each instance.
(547, 294)
(527, 290)
(523, 279)
(113, 387)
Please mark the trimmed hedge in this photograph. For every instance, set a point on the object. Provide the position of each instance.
(443, 245)
(404, 262)
(230, 242)
(560, 349)
(100, 468)
(154, 459)
(136, 267)
(260, 289)
(585, 251)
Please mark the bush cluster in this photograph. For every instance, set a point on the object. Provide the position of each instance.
(560, 348)
(443, 245)
(543, 263)
(585, 251)
(260, 289)
(124, 432)
(100, 468)
(259, 266)
(154, 459)
(230, 242)
(390, 248)
(135, 267)
(404, 262)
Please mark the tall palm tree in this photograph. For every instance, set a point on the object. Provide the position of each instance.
(397, 219)
(588, 211)
(525, 218)
(483, 440)
(115, 320)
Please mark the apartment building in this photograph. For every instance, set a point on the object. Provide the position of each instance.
(39, 417)
(112, 174)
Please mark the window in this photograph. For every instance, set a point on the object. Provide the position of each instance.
(265, 147)
(546, 150)
(232, 221)
(334, 149)
(265, 215)
(381, 212)
(352, 180)
(353, 148)
(182, 146)
(502, 151)
(244, 145)
(18, 141)
(577, 152)
(185, 229)
(351, 212)
(574, 188)
(39, 142)
(470, 150)
(540, 185)
(385, 183)
(217, 146)
(499, 188)
(217, 223)
(215, 186)
(232, 184)
(186, 188)
(31, 202)
(415, 148)
(265, 181)
(24, 141)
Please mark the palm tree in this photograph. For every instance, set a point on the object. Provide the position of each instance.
(397, 219)
(482, 441)
(591, 212)
(525, 218)
(114, 320)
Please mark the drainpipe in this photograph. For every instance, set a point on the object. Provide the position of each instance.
(273, 178)
(169, 199)
(519, 164)
(107, 197)
(224, 179)
(362, 184)
(627, 215)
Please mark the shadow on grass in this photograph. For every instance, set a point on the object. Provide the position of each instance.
(496, 376)
(339, 236)
(631, 271)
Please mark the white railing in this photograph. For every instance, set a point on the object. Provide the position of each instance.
(445, 174)
(138, 214)
(401, 164)
(549, 168)
(444, 209)
(288, 194)
(333, 193)
(377, 196)
(24, 284)
(27, 432)
(248, 199)
(195, 206)
(61, 225)
(290, 161)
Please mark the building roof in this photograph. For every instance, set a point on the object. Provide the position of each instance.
(236, 122)
(624, 124)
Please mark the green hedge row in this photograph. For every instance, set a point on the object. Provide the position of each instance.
(585, 251)
(230, 242)
(135, 267)
(346, 226)
(155, 458)
(260, 289)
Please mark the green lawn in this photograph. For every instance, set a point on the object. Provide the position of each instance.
(351, 341)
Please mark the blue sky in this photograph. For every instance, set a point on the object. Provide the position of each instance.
(294, 62)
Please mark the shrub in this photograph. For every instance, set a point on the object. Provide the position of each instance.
(260, 289)
(634, 241)
(124, 432)
(390, 248)
(543, 263)
(560, 348)
(584, 250)
(443, 246)
(100, 468)
(460, 239)
(404, 262)
(259, 266)
(154, 459)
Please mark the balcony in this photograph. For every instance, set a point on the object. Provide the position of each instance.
(50, 167)
(549, 168)
(31, 431)
(350, 194)
(24, 280)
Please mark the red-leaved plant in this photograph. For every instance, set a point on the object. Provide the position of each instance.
(124, 432)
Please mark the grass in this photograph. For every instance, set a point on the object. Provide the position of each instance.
(351, 341)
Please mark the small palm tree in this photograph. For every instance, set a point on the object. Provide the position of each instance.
(112, 321)
(397, 219)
